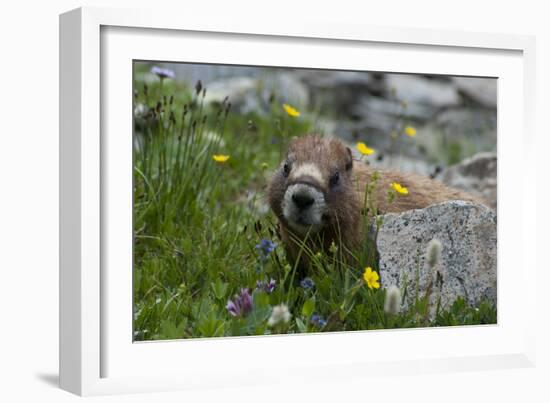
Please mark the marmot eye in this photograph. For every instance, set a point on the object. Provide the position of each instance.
(286, 169)
(334, 179)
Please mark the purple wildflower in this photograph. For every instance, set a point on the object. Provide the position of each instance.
(318, 321)
(266, 247)
(162, 72)
(241, 304)
(266, 286)
(307, 283)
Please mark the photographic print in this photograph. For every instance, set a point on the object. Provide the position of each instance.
(271, 200)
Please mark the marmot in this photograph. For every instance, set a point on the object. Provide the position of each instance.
(320, 190)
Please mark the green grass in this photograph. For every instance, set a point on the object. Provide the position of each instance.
(197, 223)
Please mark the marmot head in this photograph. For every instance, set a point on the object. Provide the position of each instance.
(313, 188)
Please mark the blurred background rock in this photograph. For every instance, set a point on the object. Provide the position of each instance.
(455, 117)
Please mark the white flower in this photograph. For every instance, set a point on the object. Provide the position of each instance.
(279, 315)
(393, 300)
(433, 253)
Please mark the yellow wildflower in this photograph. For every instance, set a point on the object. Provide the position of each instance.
(371, 278)
(399, 189)
(265, 165)
(220, 158)
(291, 111)
(410, 131)
(363, 149)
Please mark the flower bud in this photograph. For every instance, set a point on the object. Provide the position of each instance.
(393, 300)
(433, 253)
(279, 315)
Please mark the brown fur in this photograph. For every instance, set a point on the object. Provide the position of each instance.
(346, 201)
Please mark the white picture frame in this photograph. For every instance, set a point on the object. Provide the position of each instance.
(93, 347)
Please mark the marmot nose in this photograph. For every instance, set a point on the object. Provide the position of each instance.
(302, 200)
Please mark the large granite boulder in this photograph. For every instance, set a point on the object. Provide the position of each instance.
(468, 264)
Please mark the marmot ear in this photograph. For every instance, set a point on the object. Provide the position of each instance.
(349, 162)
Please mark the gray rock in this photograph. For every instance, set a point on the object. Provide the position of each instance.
(399, 162)
(467, 121)
(483, 91)
(335, 92)
(403, 163)
(416, 89)
(369, 107)
(287, 88)
(468, 265)
(209, 73)
(330, 80)
(405, 154)
(375, 132)
(242, 93)
(476, 175)
(252, 94)
(457, 133)
(416, 99)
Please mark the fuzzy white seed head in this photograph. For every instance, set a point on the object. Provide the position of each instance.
(279, 315)
(392, 303)
(433, 253)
